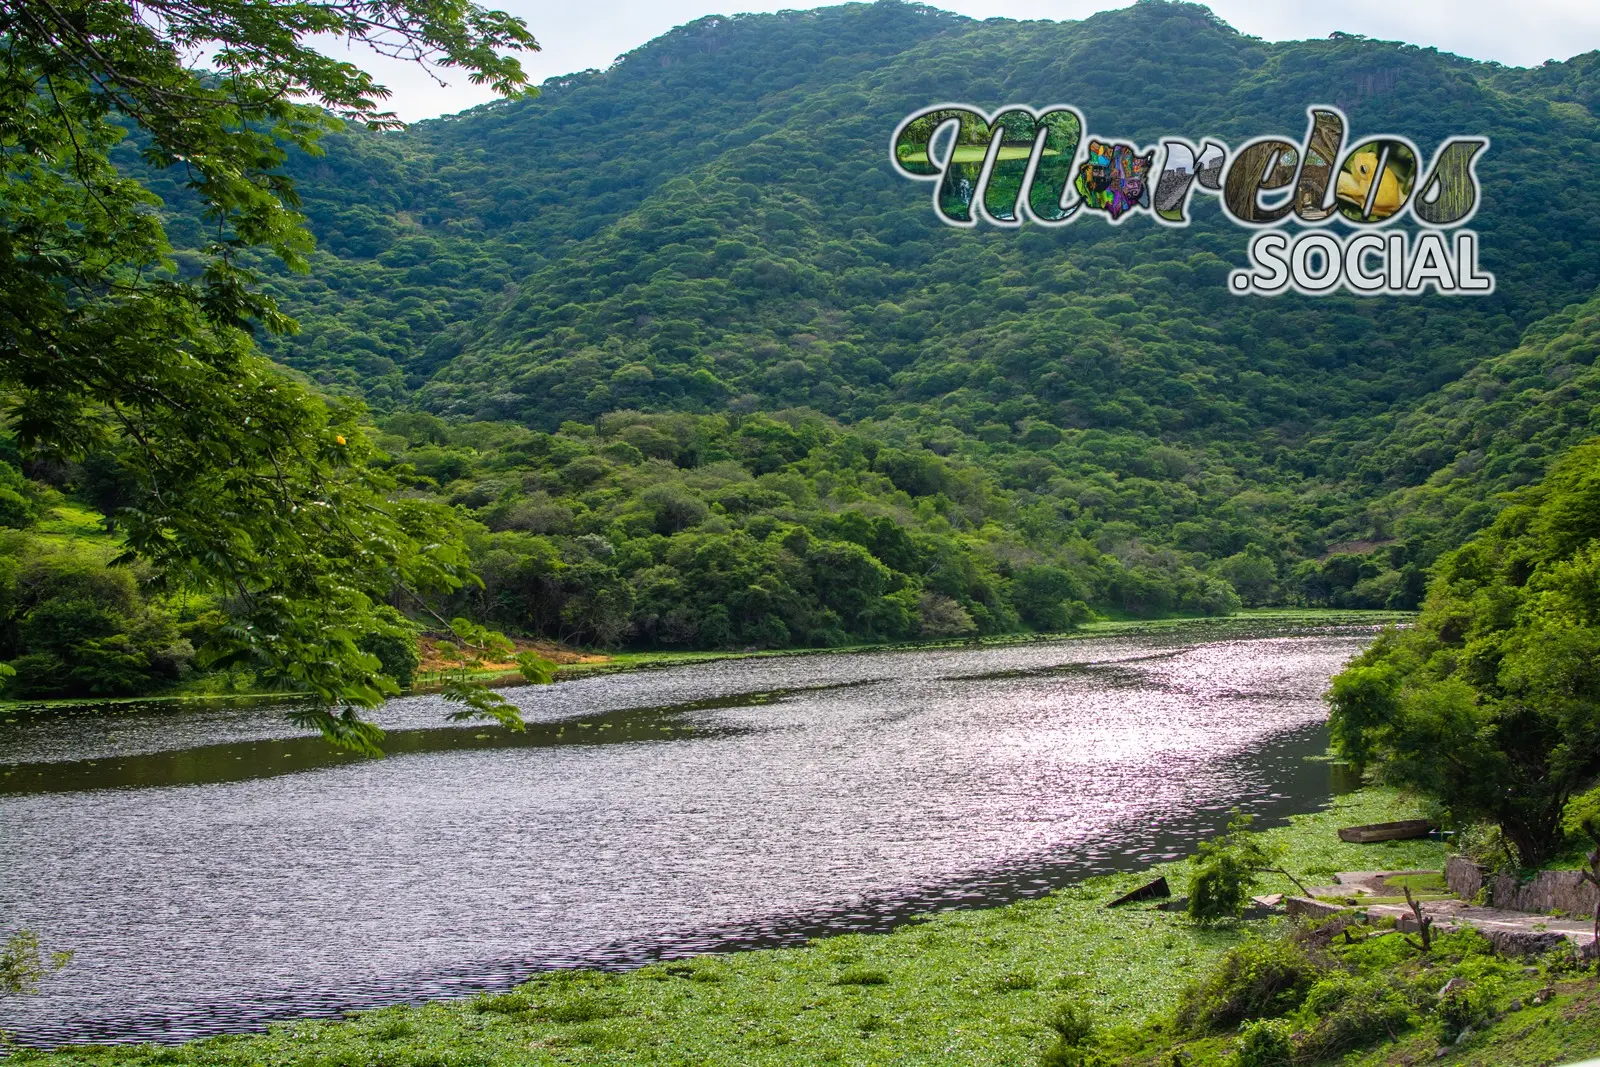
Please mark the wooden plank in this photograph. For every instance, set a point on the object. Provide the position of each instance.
(1148, 891)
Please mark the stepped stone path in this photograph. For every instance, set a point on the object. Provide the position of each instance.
(1511, 932)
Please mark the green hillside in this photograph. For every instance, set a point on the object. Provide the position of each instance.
(699, 370)
(708, 228)
(702, 208)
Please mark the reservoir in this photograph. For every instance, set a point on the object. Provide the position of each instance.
(213, 868)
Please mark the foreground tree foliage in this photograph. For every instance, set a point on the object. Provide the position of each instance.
(230, 477)
(1492, 701)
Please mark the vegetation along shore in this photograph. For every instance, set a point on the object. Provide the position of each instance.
(662, 363)
(1056, 980)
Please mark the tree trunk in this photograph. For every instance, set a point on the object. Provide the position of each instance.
(1534, 844)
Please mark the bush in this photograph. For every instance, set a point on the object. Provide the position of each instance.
(1264, 1043)
(1259, 978)
(1220, 887)
(1074, 1027)
(1351, 1013)
(1459, 1010)
(1226, 871)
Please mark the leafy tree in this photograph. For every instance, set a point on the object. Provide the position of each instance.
(110, 342)
(23, 966)
(1252, 575)
(1048, 598)
(1227, 869)
(1492, 701)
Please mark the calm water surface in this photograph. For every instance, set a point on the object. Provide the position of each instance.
(217, 869)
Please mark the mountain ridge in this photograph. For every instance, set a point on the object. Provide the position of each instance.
(712, 225)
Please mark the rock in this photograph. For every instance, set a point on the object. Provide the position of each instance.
(1544, 995)
(1463, 1035)
(1309, 908)
(1148, 891)
(1463, 876)
(1514, 1007)
(1451, 986)
(1442, 1053)
(1524, 942)
(1271, 900)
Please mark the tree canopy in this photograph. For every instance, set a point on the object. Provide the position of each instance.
(114, 346)
(1492, 701)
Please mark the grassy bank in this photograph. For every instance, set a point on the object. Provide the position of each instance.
(966, 988)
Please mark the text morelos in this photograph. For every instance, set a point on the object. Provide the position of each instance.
(1019, 163)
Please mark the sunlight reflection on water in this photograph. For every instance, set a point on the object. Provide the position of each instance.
(948, 778)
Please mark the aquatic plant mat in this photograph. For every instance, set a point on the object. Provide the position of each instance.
(961, 988)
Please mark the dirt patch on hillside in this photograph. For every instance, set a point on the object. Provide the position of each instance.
(433, 662)
(1352, 548)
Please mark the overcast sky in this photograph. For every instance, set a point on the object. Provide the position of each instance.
(591, 33)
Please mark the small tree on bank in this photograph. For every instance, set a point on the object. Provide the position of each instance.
(1228, 868)
(1491, 702)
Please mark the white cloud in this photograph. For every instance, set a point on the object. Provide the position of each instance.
(576, 36)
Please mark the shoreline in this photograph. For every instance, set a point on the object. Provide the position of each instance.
(622, 662)
(979, 983)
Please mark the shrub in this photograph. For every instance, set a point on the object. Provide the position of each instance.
(1257, 979)
(1226, 871)
(1074, 1027)
(1264, 1043)
(1352, 1013)
(1459, 1010)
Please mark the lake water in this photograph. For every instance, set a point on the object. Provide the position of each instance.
(215, 868)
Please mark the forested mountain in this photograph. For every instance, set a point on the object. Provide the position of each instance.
(721, 201)
(646, 326)
(712, 226)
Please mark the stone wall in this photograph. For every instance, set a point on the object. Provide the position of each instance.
(1463, 877)
(1547, 891)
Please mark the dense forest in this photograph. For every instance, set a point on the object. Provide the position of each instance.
(691, 367)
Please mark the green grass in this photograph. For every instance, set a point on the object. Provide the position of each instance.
(69, 521)
(961, 989)
(1432, 882)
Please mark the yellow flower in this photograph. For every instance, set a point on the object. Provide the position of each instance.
(338, 439)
